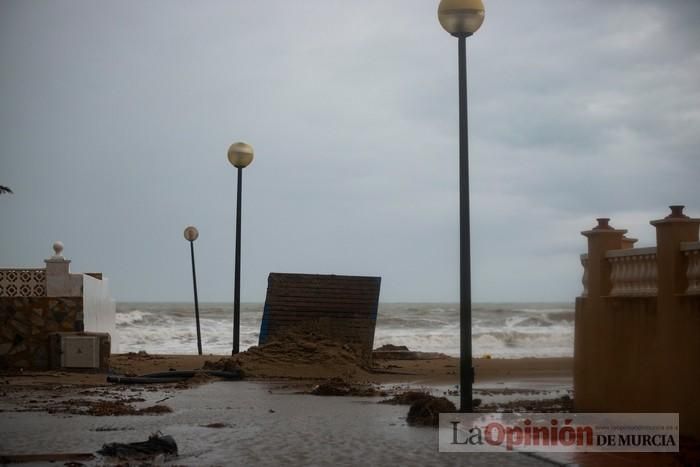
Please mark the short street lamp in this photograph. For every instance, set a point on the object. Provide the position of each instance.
(462, 18)
(240, 155)
(191, 233)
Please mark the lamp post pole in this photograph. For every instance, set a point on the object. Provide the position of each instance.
(462, 18)
(191, 234)
(240, 155)
(237, 273)
(466, 370)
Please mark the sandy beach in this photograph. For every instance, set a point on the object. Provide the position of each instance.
(435, 371)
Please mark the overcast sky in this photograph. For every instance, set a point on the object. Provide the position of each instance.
(115, 119)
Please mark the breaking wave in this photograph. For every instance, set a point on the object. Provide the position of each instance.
(499, 330)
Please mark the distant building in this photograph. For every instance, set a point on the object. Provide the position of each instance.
(38, 303)
(637, 336)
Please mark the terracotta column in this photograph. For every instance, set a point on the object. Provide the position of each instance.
(601, 239)
(670, 232)
(678, 324)
(589, 356)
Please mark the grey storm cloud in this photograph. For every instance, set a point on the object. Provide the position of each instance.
(116, 118)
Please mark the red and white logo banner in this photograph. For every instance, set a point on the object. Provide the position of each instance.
(559, 432)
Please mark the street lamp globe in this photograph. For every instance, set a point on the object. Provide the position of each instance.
(240, 155)
(191, 233)
(461, 17)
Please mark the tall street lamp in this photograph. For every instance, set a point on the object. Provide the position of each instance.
(191, 233)
(462, 18)
(240, 155)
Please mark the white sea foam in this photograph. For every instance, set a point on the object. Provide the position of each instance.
(499, 330)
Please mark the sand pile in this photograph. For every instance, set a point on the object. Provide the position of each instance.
(298, 353)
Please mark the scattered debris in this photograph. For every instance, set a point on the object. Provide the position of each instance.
(156, 444)
(391, 348)
(401, 352)
(102, 408)
(175, 376)
(216, 425)
(331, 388)
(224, 364)
(58, 457)
(426, 411)
(339, 387)
(560, 404)
(406, 398)
(142, 355)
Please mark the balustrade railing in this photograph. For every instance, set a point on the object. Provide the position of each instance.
(691, 251)
(633, 272)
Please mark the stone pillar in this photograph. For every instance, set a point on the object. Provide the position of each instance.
(589, 333)
(59, 281)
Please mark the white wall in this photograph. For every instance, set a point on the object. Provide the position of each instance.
(99, 310)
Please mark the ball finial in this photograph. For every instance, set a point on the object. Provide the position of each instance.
(58, 249)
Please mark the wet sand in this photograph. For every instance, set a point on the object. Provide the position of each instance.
(255, 423)
(430, 372)
(265, 420)
(270, 418)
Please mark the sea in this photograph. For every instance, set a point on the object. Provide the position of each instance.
(499, 330)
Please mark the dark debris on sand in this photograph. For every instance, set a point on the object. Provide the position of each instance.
(340, 387)
(560, 404)
(224, 364)
(406, 398)
(155, 445)
(425, 409)
(102, 408)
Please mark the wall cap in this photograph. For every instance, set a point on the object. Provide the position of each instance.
(590, 233)
(690, 246)
(631, 252)
(56, 260)
(673, 220)
(676, 216)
